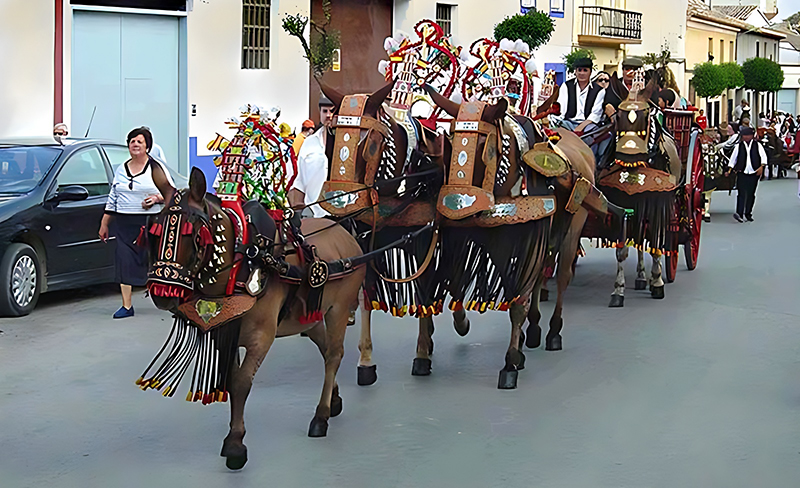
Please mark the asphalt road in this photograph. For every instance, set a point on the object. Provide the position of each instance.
(701, 389)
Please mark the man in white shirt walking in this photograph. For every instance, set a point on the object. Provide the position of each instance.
(312, 163)
(748, 161)
(581, 103)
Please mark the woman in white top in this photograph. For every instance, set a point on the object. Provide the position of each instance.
(139, 189)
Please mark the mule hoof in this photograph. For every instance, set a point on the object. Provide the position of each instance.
(534, 337)
(235, 457)
(235, 463)
(640, 284)
(367, 375)
(552, 343)
(336, 405)
(421, 367)
(617, 301)
(318, 427)
(657, 292)
(544, 295)
(507, 379)
(461, 328)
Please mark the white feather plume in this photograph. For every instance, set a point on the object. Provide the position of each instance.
(522, 47)
(383, 65)
(506, 44)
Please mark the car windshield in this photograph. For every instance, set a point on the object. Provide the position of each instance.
(22, 167)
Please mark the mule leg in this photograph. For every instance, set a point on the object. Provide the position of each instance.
(549, 268)
(641, 275)
(515, 360)
(367, 370)
(257, 339)
(657, 288)
(566, 269)
(618, 297)
(461, 322)
(533, 338)
(422, 363)
(318, 337)
(335, 326)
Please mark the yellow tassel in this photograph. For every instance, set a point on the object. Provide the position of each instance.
(139, 381)
(483, 307)
(165, 392)
(491, 305)
(219, 396)
(189, 397)
(376, 305)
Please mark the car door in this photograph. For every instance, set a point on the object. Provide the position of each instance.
(74, 246)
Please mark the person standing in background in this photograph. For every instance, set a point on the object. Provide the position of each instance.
(312, 164)
(305, 131)
(140, 187)
(748, 161)
(702, 121)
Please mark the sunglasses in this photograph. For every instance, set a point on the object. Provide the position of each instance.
(603, 80)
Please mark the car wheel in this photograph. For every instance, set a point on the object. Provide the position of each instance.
(21, 280)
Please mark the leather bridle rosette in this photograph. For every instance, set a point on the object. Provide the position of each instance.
(171, 274)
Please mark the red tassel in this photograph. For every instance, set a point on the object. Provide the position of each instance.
(205, 236)
(141, 241)
(186, 229)
(156, 229)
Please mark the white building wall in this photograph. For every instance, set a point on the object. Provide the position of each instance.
(27, 59)
(217, 84)
(662, 23)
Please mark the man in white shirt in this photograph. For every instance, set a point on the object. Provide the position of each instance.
(748, 160)
(581, 103)
(312, 163)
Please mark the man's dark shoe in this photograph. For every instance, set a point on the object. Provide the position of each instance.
(706, 218)
(749, 218)
(123, 313)
(738, 217)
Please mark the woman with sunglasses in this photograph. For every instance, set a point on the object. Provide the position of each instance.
(134, 195)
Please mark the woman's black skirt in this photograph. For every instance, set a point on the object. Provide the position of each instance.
(130, 260)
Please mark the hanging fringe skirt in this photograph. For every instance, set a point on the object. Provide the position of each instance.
(648, 227)
(212, 353)
(491, 268)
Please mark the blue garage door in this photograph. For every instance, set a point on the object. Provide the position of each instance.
(126, 65)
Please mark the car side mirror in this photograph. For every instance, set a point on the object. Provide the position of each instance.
(71, 193)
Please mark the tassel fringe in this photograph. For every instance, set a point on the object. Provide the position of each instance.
(212, 352)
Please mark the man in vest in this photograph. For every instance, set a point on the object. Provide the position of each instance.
(581, 103)
(612, 98)
(748, 161)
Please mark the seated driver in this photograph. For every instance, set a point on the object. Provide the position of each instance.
(581, 103)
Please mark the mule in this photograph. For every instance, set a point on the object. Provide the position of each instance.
(278, 308)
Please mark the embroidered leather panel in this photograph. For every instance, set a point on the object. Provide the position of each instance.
(639, 180)
(207, 313)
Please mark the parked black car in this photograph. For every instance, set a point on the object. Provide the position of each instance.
(52, 197)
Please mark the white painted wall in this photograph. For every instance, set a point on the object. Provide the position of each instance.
(217, 84)
(662, 22)
(26, 58)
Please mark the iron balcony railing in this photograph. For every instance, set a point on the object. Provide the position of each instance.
(611, 22)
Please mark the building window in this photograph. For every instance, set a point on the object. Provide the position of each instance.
(721, 51)
(775, 51)
(711, 49)
(255, 34)
(557, 9)
(733, 54)
(758, 48)
(444, 17)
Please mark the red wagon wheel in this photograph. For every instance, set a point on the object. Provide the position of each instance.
(696, 209)
(671, 261)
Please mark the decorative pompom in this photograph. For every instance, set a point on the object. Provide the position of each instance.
(389, 45)
(530, 66)
(383, 65)
(522, 46)
(506, 45)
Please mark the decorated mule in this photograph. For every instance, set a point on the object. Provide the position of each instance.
(644, 177)
(236, 274)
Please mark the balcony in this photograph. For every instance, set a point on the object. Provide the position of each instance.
(603, 26)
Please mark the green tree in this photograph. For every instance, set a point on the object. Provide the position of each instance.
(323, 42)
(762, 75)
(732, 74)
(534, 28)
(794, 21)
(577, 53)
(709, 80)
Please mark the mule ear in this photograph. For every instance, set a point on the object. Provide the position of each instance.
(332, 94)
(650, 89)
(544, 107)
(448, 106)
(496, 111)
(376, 99)
(618, 86)
(197, 185)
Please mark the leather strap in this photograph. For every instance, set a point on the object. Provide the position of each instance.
(422, 268)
